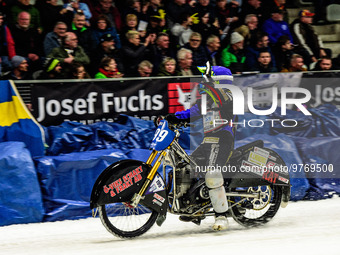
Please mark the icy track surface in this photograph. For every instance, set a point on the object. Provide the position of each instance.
(306, 227)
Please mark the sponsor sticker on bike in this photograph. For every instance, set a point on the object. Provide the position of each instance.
(257, 158)
(155, 201)
(127, 181)
(211, 140)
(159, 198)
(250, 167)
(283, 179)
(262, 152)
(156, 185)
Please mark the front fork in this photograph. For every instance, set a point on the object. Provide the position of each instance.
(138, 196)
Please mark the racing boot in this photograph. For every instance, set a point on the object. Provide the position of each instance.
(221, 222)
(214, 181)
(195, 220)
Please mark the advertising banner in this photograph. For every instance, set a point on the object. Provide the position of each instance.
(90, 102)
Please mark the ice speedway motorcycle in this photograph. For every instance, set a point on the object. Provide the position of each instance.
(130, 196)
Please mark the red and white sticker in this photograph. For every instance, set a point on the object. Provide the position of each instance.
(158, 197)
(283, 179)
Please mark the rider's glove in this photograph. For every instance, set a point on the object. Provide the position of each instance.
(171, 118)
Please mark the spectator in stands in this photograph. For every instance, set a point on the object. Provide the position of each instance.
(212, 47)
(70, 52)
(252, 7)
(175, 9)
(249, 30)
(28, 42)
(184, 57)
(54, 39)
(283, 51)
(145, 68)
(19, 71)
(105, 7)
(168, 68)
(157, 24)
(271, 5)
(324, 64)
(52, 70)
(4, 5)
(276, 27)
(233, 55)
(77, 71)
(264, 63)
(182, 30)
(307, 39)
(153, 8)
(199, 56)
(108, 69)
(51, 13)
(204, 6)
(160, 50)
(207, 27)
(227, 13)
(25, 6)
(252, 51)
(106, 48)
(83, 33)
(296, 64)
(135, 7)
(131, 23)
(133, 53)
(7, 46)
(102, 27)
(75, 5)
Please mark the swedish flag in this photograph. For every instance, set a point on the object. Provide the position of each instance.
(16, 122)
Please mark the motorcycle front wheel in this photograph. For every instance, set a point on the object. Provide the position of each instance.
(251, 212)
(125, 221)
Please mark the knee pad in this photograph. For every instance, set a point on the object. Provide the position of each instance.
(213, 179)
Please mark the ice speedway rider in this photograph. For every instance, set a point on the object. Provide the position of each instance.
(218, 142)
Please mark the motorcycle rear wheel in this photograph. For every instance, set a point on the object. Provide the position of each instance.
(263, 209)
(124, 221)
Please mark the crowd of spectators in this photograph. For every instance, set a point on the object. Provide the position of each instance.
(142, 38)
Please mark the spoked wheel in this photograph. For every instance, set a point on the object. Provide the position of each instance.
(251, 212)
(122, 220)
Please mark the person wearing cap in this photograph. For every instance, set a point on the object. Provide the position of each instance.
(276, 26)
(307, 39)
(233, 55)
(52, 70)
(105, 48)
(19, 71)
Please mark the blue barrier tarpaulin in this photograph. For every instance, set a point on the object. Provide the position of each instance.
(20, 195)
